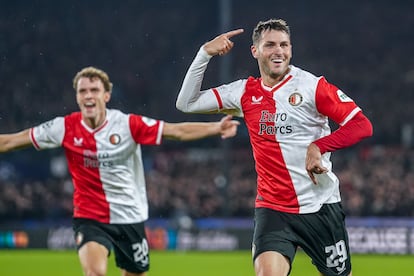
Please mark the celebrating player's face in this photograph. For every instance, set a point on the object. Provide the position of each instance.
(273, 53)
(92, 98)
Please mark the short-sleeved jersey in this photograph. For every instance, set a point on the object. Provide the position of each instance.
(105, 163)
(282, 121)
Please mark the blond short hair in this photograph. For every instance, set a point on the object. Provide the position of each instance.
(92, 73)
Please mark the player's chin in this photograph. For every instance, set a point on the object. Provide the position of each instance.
(279, 68)
(276, 70)
(88, 113)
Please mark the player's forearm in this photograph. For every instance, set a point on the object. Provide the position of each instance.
(4, 143)
(194, 131)
(190, 89)
(10, 142)
(351, 133)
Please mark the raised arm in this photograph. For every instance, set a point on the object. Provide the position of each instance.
(14, 141)
(191, 99)
(188, 131)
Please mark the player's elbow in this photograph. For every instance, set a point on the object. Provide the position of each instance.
(365, 128)
(369, 129)
(186, 108)
(180, 106)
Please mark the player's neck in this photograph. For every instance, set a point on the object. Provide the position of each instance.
(272, 80)
(95, 122)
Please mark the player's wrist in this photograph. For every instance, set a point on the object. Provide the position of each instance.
(204, 53)
(319, 146)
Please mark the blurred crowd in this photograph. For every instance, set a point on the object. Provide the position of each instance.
(201, 183)
(146, 46)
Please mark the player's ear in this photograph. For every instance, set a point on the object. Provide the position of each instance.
(107, 96)
(253, 49)
(77, 98)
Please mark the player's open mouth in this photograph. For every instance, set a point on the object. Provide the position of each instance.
(89, 106)
(277, 60)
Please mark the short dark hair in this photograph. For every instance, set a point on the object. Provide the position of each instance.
(271, 24)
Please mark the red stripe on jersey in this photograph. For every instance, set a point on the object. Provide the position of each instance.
(275, 189)
(80, 147)
(282, 83)
(218, 98)
(101, 127)
(33, 139)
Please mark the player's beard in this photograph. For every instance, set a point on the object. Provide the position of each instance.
(272, 71)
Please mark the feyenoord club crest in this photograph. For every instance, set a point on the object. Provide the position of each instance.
(295, 99)
(114, 139)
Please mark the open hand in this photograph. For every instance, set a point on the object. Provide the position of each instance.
(228, 127)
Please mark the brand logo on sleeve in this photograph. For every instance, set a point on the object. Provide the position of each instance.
(343, 97)
(148, 121)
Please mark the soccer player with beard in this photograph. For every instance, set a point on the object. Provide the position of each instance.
(103, 151)
(287, 112)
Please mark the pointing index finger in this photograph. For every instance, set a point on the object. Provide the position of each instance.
(230, 34)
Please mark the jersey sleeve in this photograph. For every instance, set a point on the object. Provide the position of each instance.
(222, 99)
(332, 102)
(146, 131)
(228, 97)
(358, 128)
(48, 134)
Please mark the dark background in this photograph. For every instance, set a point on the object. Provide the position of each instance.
(364, 47)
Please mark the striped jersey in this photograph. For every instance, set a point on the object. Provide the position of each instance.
(282, 121)
(105, 163)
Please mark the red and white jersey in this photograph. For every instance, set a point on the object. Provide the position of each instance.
(105, 163)
(282, 121)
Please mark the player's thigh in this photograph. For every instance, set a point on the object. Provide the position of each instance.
(272, 233)
(271, 263)
(87, 230)
(131, 249)
(323, 236)
(93, 258)
(273, 248)
(93, 245)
